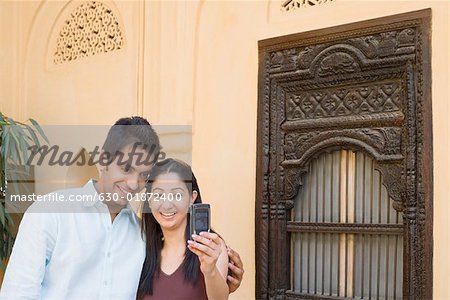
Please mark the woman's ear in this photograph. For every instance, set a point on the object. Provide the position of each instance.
(194, 196)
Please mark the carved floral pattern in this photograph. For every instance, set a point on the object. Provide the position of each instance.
(344, 101)
(356, 52)
(296, 4)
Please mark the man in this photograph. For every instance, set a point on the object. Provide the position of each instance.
(91, 249)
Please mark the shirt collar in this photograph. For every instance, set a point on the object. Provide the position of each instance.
(89, 189)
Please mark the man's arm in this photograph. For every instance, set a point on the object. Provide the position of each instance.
(30, 255)
(236, 269)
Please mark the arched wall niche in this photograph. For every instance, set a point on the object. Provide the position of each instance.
(62, 93)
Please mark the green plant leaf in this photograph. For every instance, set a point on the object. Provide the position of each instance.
(33, 135)
(15, 139)
(21, 139)
(2, 216)
(10, 132)
(5, 145)
(19, 181)
(2, 265)
(18, 172)
(39, 129)
(8, 218)
(17, 146)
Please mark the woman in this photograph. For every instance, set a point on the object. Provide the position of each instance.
(174, 269)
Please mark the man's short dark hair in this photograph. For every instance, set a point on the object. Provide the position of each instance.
(131, 131)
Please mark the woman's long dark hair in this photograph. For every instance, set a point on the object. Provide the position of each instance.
(153, 233)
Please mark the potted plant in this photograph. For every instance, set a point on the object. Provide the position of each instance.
(15, 139)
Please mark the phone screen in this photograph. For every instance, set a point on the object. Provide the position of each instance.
(201, 220)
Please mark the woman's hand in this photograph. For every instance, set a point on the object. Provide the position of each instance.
(212, 253)
(207, 246)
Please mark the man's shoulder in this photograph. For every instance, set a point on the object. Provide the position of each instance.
(61, 201)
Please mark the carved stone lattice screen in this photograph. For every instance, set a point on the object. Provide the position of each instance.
(290, 5)
(363, 87)
(91, 28)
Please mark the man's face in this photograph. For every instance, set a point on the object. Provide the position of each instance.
(126, 176)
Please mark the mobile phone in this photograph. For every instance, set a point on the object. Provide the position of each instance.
(200, 218)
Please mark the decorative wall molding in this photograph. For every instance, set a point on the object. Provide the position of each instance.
(92, 28)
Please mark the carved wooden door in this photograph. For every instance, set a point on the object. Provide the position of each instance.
(344, 174)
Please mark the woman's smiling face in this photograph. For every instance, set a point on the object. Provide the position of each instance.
(170, 200)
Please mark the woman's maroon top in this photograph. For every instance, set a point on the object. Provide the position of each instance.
(174, 287)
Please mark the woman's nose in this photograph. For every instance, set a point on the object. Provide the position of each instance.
(166, 204)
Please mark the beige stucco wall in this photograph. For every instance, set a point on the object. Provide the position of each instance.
(73, 92)
(196, 63)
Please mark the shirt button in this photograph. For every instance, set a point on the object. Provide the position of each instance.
(108, 254)
(105, 283)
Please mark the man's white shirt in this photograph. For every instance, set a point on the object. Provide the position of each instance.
(75, 252)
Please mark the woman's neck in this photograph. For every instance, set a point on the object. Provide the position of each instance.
(174, 248)
(174, 240)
